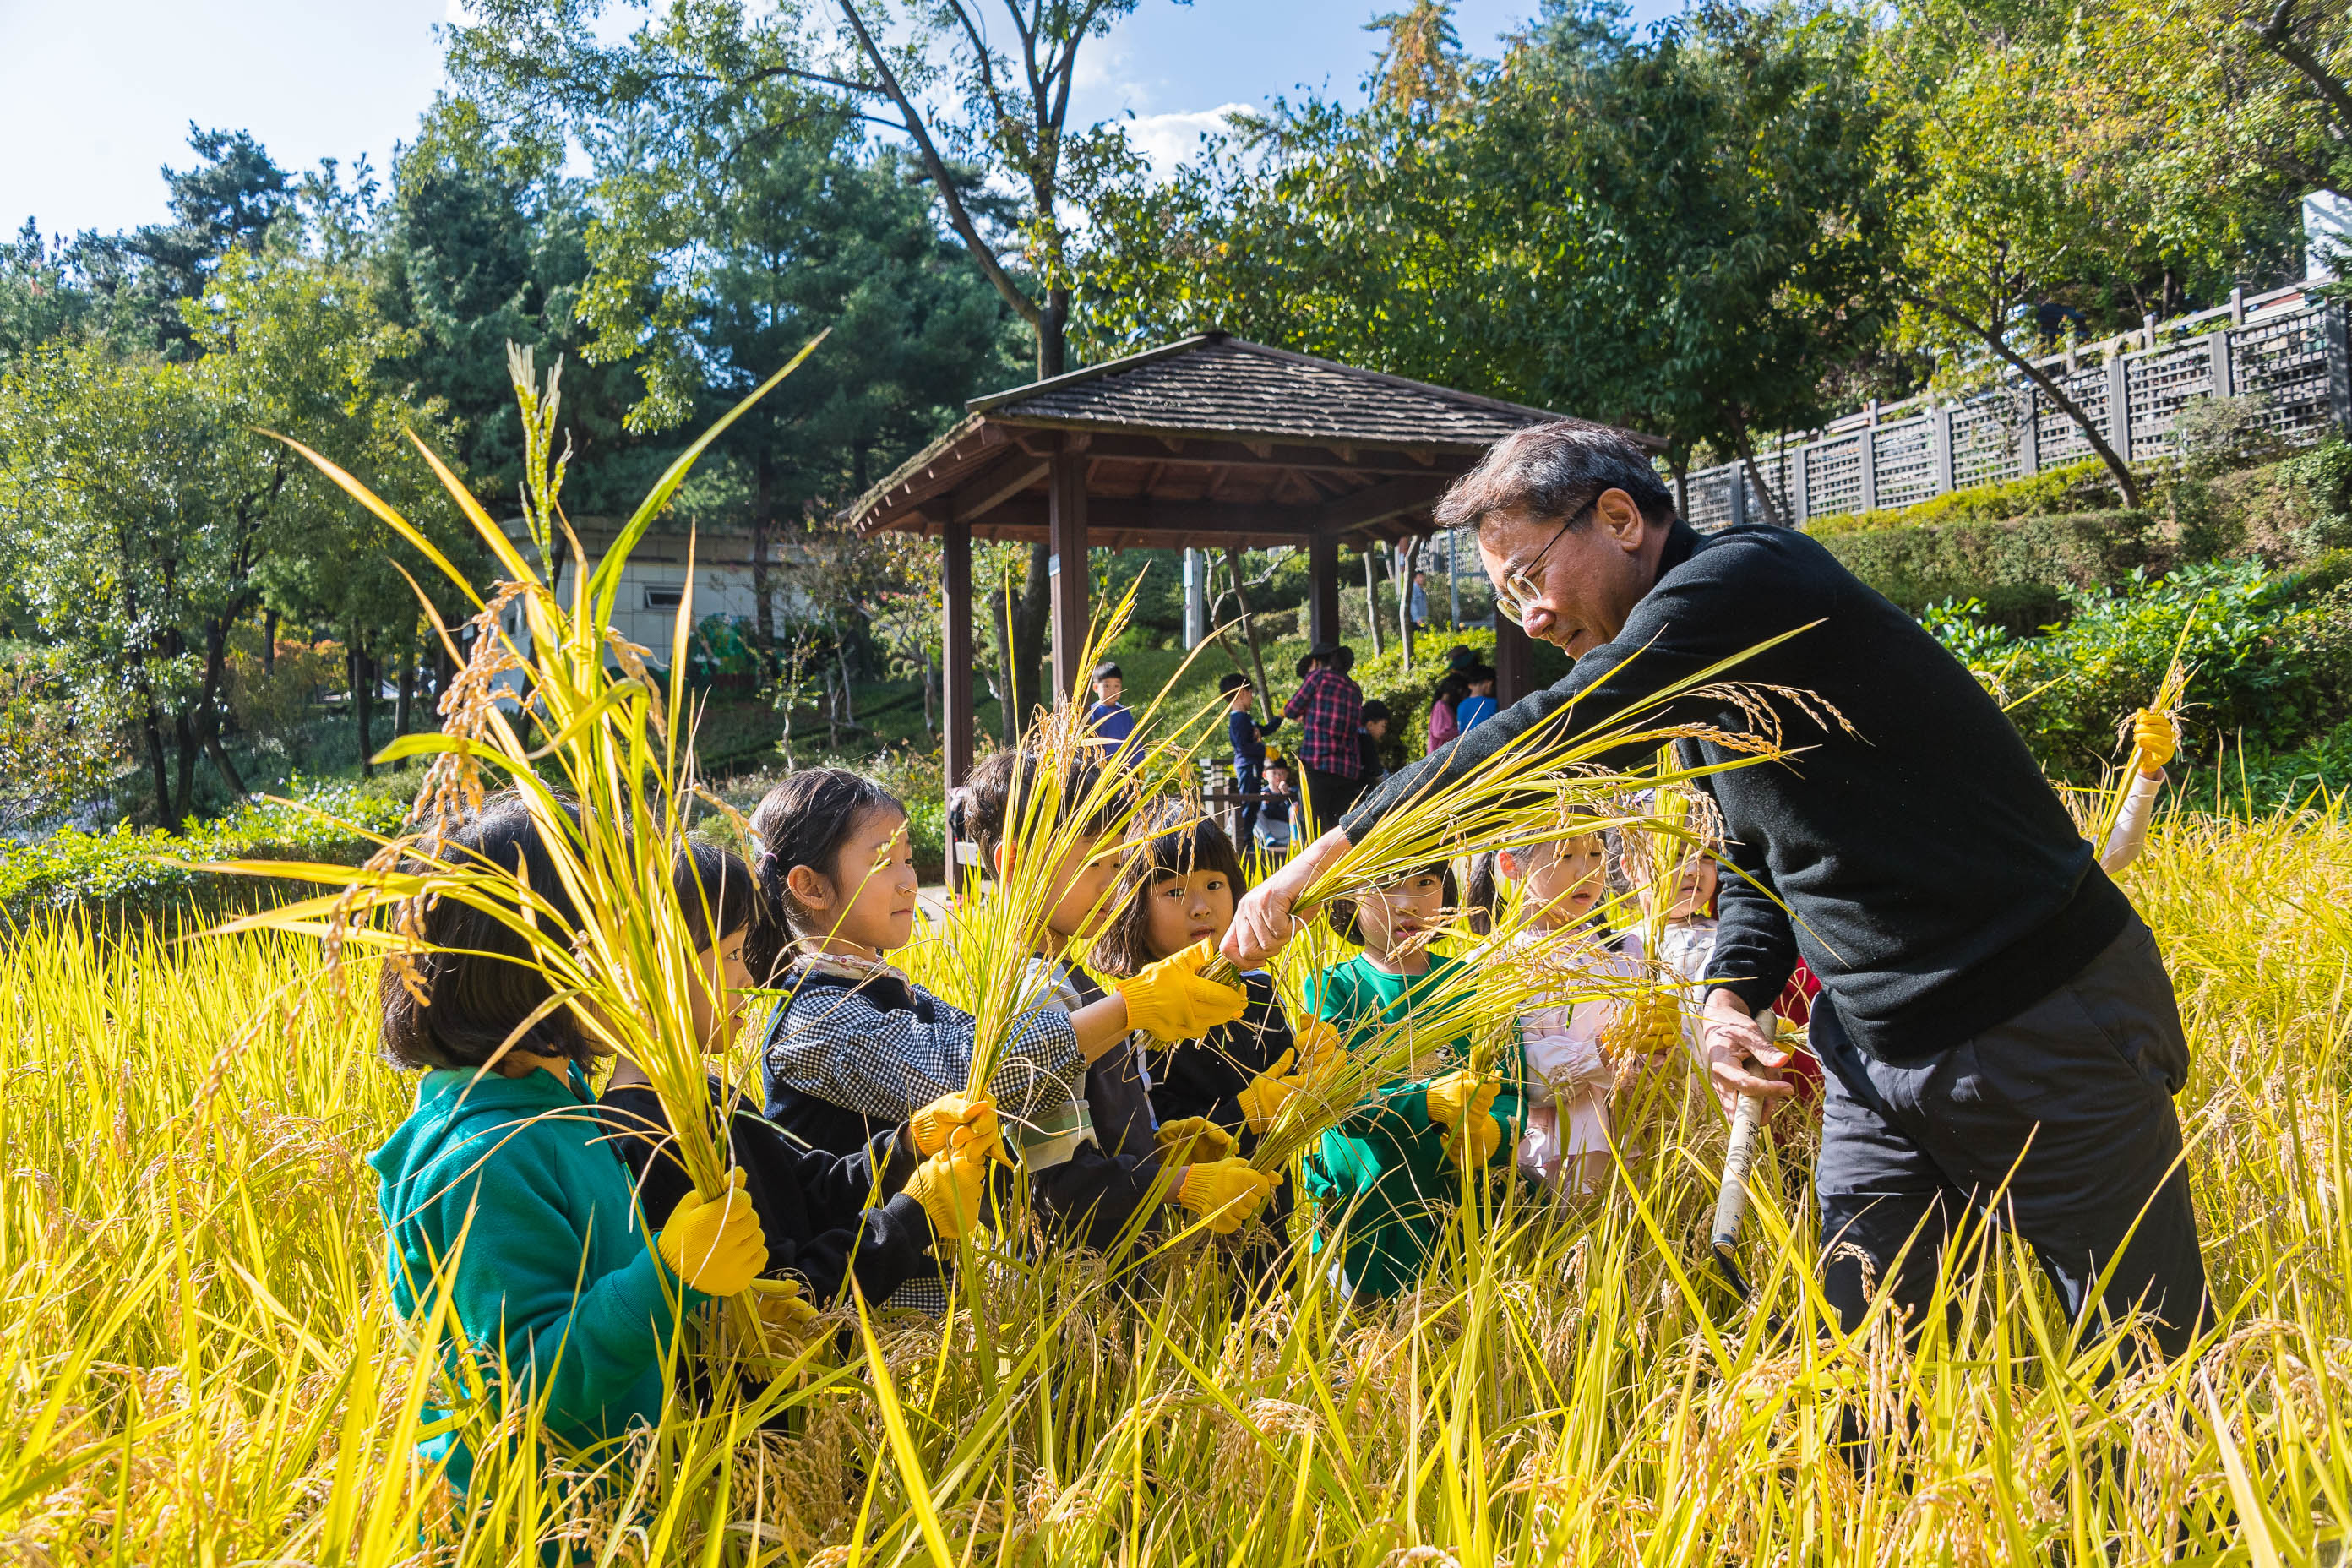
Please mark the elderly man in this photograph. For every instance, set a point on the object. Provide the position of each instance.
(1999, 1024)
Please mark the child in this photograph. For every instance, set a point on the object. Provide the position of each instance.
(1380, 1172)
(856, 1046)
(1678, 900)
(1109, 725)
(813, 1203)
(2155, 739)
(1247, 737)
(1479, 704)
(1445, 708)
(1274, 816)
(502, 1179)
(1178, 892)
(1574, 1049)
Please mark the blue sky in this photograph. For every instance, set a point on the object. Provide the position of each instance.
(96, 94)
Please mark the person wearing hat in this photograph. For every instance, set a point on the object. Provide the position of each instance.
(1248, 738)
(1330, 710)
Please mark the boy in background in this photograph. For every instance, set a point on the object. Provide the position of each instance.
(1274, 835)
(1108, 723)
(1247, 737)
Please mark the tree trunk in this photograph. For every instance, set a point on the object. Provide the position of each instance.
(1053, 346)
(153, 724)
(268, 643)
(1772, 514)
(1249, 632)
(1404, 597)
(1008, 696)
(1998, 341)
(407, 697)
(208, 723)
(363, 705)
(1372, 598)
(763, 614)
(1031, 612)
(184, 789)
(930, 695)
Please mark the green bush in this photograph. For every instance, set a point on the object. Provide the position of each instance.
(2322, 477)
(2022, 574)
(2271, 656)
(127, 872)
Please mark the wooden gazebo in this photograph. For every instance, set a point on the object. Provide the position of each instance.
(1210, 442)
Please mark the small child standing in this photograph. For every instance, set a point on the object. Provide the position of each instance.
(874, 1215)
(1247, 738)
(1478, 704)
(1121, 1168)
(502, 1180)
(1577, 1052)
(1109, 725)
(1378, 1174)
(1213, 1095)
(1277, 815)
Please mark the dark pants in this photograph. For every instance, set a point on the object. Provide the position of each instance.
(1247, 781)
(1328, 796)
(2065, 1111)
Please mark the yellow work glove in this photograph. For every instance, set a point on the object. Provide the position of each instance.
(1270, 1090)
(935, 1123)
(784, 1307)
(948, 1185)
(1190, 1139)
(1170, 1001)
(716, 1245)
(2154, 737)
(1648, 1024)
(1321, 1050)
(1462, 1102)
(1226, 1191)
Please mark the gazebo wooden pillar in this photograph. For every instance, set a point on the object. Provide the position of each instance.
(1212, 444)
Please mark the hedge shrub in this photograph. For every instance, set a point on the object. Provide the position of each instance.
(2020, 573)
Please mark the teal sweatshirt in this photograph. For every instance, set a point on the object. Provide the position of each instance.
(557, 1275)
(1384, 1165)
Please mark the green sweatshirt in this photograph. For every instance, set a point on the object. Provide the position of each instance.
(1387, 1160)
(556, 1275)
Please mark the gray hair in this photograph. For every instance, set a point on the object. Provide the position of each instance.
(1551, 472)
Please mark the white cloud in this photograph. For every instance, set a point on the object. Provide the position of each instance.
(1167, 140)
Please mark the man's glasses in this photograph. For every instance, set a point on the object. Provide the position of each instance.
(1517, 593)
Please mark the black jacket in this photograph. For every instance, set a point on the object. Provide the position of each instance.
(1938, 884)
(811, 1203)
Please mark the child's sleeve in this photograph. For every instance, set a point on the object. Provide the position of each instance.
(886, 1062)
(2130, 832)
(846, 1227)
(1094, 1198)
(579, 1343)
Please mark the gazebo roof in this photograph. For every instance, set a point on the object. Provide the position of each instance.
(1209, 441)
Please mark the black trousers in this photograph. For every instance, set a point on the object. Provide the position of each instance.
(1328, 797)
(2062, 1118)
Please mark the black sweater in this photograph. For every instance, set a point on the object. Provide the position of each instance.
(811, 1203)
(1938, 884)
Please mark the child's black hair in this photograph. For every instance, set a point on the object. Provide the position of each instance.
(1182, 842)
(1451, 688)
(1483, 899)
(715, 892)
(995, 793)
(804, 821)
(1375, 710)
(1341, 912)
(1233, 680)
(1106, 670)
(478, 979)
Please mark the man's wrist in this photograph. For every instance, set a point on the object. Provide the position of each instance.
(1722, 998)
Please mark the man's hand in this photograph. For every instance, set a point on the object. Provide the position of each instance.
(1261, 924)
(1736, 1050)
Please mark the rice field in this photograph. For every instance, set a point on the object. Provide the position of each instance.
(202, 1364)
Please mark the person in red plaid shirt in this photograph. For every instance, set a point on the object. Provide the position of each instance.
(1330, 710)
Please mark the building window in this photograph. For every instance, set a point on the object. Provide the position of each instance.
(664, 597)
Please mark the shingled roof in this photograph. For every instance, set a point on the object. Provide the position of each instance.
(1209, 441)
(1223, 385)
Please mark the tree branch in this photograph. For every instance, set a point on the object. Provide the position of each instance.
(958, 217)
(2278, 33)
(2124, 479)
